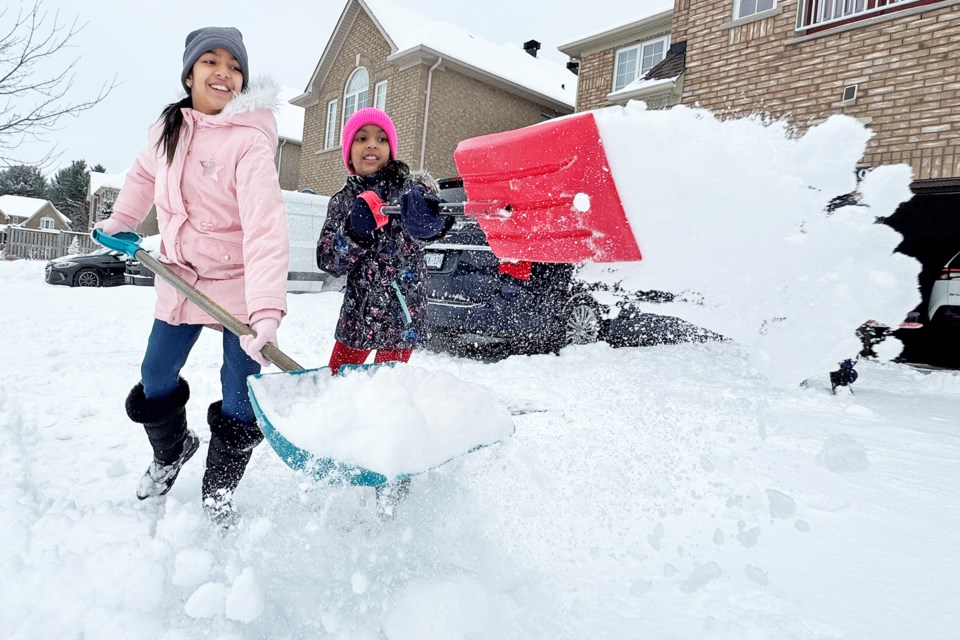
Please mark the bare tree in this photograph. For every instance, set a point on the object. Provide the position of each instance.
(32, 98)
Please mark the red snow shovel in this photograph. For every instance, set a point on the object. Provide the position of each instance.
(545, 193)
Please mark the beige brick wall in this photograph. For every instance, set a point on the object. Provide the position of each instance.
(905, 68)
(460, 107)
(287, 160)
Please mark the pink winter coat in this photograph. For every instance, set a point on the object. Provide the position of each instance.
(222, 223)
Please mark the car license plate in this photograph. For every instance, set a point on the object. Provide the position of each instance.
(433, 260)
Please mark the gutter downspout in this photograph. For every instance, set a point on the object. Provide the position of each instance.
(426, 112)
(283, 141)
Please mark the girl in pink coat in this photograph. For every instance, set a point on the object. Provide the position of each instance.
(209, 169)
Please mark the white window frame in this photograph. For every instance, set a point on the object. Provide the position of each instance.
(738, 13)
(330, 135)
(356, 98)
(638, 70)
(47, 222)
(380, 95)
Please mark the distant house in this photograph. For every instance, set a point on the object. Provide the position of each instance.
(439, 83)
(32, 213)
(629, 61)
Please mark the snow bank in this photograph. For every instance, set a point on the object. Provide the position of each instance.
(730, 216)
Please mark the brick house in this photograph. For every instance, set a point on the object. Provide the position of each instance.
(439, 84)
(32, 213)
(628, 62)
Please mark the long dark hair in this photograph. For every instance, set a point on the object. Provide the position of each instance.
(172, 120)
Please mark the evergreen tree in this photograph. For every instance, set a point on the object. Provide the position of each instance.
(98, 168)
(106, 207)
(23, 180)
(68, 192)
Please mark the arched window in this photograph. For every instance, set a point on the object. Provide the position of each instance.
(356, 96)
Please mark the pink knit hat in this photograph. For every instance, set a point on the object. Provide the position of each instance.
(361, 118)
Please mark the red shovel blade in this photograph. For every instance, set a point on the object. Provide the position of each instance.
(545, 193)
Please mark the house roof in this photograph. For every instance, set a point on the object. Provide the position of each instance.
(416, 38)
(21, 206)
(659, 20)
(106, 180)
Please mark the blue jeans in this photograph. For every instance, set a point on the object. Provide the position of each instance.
(167, 351)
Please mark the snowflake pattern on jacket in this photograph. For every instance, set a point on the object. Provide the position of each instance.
(385, 300)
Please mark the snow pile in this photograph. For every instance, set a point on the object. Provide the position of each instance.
(389, 419)
(730, 217)
(663, 492)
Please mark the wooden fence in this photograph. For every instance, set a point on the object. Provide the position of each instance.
(45, 244)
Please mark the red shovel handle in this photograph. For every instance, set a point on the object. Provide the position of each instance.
(376, 204)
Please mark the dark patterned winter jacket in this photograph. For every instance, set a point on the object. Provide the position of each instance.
(385, 301)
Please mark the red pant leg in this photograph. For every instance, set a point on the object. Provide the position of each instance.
(392, 355)
(342, 354)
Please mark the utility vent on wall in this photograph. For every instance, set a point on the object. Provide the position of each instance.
(850, 93)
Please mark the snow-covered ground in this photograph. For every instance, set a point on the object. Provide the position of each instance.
(668, 492)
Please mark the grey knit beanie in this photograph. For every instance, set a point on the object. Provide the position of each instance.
(208, 38)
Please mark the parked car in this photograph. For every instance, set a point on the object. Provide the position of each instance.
(137, 274)
(102, 268)
(475, 299)
(944, 307)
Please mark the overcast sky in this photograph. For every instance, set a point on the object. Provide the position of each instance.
(142, 44)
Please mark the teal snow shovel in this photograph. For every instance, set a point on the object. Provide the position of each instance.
(319, 467)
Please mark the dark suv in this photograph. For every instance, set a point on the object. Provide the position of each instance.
(474, 299)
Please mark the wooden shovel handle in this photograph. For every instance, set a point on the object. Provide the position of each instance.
(224, 317)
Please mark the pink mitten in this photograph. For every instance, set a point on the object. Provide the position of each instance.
(265, 330)
(112, 227)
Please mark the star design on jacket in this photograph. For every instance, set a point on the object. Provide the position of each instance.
(211, 168)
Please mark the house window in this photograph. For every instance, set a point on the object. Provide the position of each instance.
(747, 8)
(634, 62)
(46, 223)
(380, 95)
(330, 136)
(357, 94)
(820, 14)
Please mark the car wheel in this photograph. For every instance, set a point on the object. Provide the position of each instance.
(581, 323)
(87, 278)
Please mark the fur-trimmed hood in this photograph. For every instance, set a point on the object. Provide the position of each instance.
(254, 108)
(262, 93)
(427, 180)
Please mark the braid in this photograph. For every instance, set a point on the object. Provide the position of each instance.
(172, 120)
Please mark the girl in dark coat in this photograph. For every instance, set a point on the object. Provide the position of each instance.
(385, 303)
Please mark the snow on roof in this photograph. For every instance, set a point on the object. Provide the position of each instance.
(289, 116)
(20, 206)
(642, 85)
(409, 31)
(111, 181)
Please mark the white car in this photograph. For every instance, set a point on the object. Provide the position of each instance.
(944, 304)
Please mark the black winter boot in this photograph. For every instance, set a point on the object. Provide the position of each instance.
(165, 421)
(231, 445)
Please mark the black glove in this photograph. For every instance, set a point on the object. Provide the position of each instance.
(420, 214)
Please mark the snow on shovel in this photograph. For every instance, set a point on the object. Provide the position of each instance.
(292, 396)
